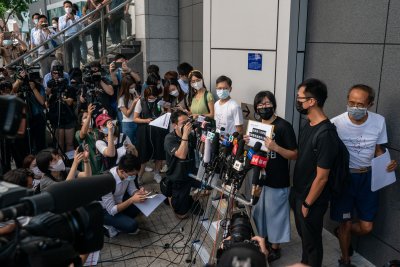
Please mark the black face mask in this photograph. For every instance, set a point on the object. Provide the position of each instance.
(300, 109)
(265, 113)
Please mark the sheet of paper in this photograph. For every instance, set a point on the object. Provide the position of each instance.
(92, 258)
(380, 177)
(162, 121)
(257, 132)
(150, 204)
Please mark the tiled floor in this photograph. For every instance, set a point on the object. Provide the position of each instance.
(164, 244)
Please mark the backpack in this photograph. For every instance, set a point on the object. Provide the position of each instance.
(108, 162)
(339, 175)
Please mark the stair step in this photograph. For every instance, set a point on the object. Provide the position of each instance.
(202, 252)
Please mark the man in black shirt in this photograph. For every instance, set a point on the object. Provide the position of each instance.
(310, 193)
(179, 146)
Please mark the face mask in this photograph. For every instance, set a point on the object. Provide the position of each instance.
(357, 113)
(185, 79)
(7, 42)
(68, 10)
(300, 109)
(265, 113)
(59, 166)
(132, 91)
(198, 85)
(130, 178)
(37, 172)
(223, 94)
(105, 130)
(55, 25)
(159, 85)
(151, 100)
(35, 21)
(174, 93)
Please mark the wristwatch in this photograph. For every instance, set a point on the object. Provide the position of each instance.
(305, 204)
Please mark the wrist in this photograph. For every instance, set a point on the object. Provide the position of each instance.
(306, 204)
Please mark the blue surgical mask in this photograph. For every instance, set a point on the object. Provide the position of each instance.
(7, 42)
(356, 113)
(223, 94)
(131, 177)
(105, 130)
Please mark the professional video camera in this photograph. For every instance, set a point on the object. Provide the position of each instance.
(58, 85)
(32, 74)
(53, 239)
(238, 246)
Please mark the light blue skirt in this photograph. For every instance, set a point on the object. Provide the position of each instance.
(272, 214)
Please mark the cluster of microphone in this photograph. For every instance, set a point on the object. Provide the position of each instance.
(227, 155)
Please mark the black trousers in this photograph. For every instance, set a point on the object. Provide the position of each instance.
(310, 230)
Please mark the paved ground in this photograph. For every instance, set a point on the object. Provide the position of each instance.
(163, 244)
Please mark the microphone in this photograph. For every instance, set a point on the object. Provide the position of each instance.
(239, 162)
(215, 146)
(259, 162)
(236, 144)
(207, 151)
(62, 197)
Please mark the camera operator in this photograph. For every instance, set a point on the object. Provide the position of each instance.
(10, 50)
(180, 146)
(97, 89)
(29, 89)
(41, 35)
(51, 164)
(48, 76)
(61, 114)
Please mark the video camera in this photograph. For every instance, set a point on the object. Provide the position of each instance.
(92, 77)
(238, 246)
(53, 239)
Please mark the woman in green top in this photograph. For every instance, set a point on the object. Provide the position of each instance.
(201, 101)
(89, 135)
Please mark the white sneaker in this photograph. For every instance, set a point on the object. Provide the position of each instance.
(148, 169)
(157, 178)
(135, 233)
(164, 169)
(112, 231)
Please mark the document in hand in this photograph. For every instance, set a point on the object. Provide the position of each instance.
(162, 121)
(150, 204)
(380, 177)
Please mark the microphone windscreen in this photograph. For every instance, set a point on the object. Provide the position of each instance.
(240, 149)
(257, 147)
(70, 195)
(207, 151)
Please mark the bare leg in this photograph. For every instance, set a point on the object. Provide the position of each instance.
(362, 227)
(345, 239)
(60, 135)
(69, 139)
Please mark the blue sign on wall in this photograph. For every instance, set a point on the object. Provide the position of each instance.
(254, 61)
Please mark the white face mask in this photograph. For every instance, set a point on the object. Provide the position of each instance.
(55, 25)
(59, 166)
(131, 177)
(68, 10)
(132, 91)
(159, 85)
(197, 85)
(37, 172)
(35, 21)
(174, 93)
(151, 100)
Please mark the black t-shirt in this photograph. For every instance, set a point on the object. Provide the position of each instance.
(56, 100)
(308, 160)
(277, 170)
(178, 169)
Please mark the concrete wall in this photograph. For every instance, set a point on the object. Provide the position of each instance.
(191, 32)
(274, 29)
(157, 28)
(358, 41)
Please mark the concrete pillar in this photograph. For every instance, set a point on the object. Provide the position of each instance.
(157, 29)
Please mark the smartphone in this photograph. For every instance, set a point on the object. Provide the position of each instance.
(118, 64)
(81, 148)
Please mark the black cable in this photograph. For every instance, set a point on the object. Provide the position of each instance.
(137, 257)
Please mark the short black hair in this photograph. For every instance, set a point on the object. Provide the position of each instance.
(54, 18)
(42, 16)
(365, 88)
(316, 89)
(119, 56)
(67, 2)
(260, 96)
(44, 157)
(129, 163)
(184, 68)
(36, 14)
(18, 177)
(153, 79)
(224, 78)
(176, 114)
(153, 69)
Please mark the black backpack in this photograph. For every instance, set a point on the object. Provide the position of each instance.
(339, 175)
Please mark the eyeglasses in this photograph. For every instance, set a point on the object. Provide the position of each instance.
(357, 105)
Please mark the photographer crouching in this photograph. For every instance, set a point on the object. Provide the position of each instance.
(180, 146)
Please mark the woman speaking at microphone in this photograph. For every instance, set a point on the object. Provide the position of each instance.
(272, 212)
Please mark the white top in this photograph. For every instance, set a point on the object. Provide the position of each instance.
(138, 107)
(39, 36)
(122, 104)
(361, 140)
(101, 146)
(63, 23)
(110, 201)
(33, 30)
(228, 115)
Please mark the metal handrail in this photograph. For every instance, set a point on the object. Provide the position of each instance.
(84, 18)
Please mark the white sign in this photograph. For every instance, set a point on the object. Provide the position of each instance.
(162, 121)
(380, 177)
(257, 132)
